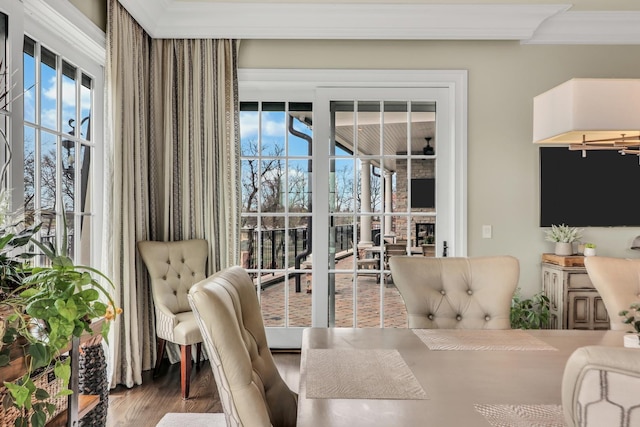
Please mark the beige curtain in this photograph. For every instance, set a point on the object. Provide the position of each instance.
(172, 161)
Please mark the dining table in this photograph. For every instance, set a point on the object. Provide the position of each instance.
(433, 377)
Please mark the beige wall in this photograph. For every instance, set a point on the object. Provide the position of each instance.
(504, 77)
(95, 10)
(503, 170)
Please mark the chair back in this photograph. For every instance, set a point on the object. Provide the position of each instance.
(456, 293)
(600, 385)
(617, 280)
(173, 268)
(251, 389)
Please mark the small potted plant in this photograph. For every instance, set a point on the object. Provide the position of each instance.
(529, 313)
(632, 317)
(563, 236)
(589, 249)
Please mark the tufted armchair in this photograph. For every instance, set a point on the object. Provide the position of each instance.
(600, 387)
(173, 268)
(456, 293)
(251, 389)
(618, 283)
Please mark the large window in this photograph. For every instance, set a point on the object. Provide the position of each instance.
(53, 120)
(58, 148)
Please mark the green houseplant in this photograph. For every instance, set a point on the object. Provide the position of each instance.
(563, 236)
(53, 305)
(632, 317)
(42, 308)
(529, 313)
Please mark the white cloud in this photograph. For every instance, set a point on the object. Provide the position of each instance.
(249, 125)
(273, 128)
(49, 97)
(48, 118)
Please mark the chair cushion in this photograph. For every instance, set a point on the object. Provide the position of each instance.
(452, 293)
(186, 330)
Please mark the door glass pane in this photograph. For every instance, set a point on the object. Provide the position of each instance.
(299, 173)
(343, 186)
(273, 129)
(381, 146)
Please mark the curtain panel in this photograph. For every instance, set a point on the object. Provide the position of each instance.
(172, 161)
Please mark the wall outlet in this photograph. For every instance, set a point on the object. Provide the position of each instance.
(486, 231)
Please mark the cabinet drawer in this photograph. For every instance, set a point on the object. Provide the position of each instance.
(579, 281)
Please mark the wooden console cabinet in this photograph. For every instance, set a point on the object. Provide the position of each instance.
(574, 302)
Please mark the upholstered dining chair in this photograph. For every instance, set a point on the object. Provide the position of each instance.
(456, 293)
(600, 387)
(617, 280)
(252, 392)
(173, 268)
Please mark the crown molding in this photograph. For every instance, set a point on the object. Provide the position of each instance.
(528, 23)
(61, 18)
(319, 20)
(589, 28)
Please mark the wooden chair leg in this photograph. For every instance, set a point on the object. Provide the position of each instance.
(198, 353)
(159, 355)
(185, 369)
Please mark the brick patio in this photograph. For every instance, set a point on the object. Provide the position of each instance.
(368, 302)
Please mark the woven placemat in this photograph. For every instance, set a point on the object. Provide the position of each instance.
(522, 415)
(481, 339)
(360, 374)
(192, 419)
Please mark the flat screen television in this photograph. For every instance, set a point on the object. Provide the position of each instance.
(423, 193)
(599, 190)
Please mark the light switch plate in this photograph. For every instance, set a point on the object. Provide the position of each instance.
(486, 231)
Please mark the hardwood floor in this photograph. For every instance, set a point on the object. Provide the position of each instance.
(145, 405)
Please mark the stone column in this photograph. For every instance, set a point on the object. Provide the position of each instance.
(365, 203)
(388, 208)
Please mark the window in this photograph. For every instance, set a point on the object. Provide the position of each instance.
(58, 148)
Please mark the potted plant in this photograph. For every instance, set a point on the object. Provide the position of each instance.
(589, 249)
(563, 236)
(632, 317)
(529, 313)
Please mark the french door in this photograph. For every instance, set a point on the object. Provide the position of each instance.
(382, 162)
(336, 178)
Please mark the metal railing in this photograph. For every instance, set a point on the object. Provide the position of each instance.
(273, 255)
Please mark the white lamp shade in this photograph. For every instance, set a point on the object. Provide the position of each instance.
(594, 108)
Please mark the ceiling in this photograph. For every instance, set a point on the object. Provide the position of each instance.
(532, 22)
(394, 131)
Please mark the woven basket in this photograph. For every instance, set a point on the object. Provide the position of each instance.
(45, 380)
(92, 377)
